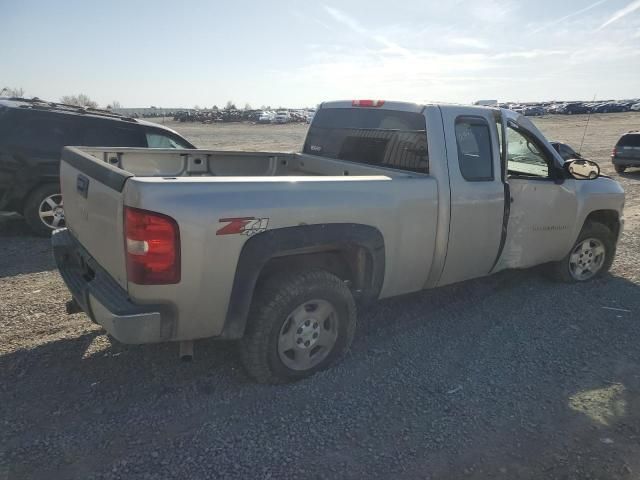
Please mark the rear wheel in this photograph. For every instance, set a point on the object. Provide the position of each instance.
(299, 324)
(44, 210)
(620, 169)
(590, 257)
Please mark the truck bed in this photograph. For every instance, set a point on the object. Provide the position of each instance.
(143, 162)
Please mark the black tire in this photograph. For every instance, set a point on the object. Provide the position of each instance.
(619, 169)
(32, 206)
(273, 305)
(560, 271)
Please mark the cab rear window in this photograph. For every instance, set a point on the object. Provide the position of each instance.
(386, 138)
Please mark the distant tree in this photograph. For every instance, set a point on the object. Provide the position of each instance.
(196, 107)
(80, 100)
(113, 105)
(230, 106)
(12, 92)
(247, 106)
(215, 108)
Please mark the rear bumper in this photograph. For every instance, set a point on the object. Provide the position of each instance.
(102, 298)
(626, 162)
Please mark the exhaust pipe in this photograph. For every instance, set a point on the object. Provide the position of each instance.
(186, 351)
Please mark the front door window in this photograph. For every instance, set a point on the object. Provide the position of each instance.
(524, 157)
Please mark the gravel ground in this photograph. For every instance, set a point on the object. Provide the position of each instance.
(511, 376)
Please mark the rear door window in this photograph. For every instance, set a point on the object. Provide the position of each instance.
(475, 156)
(113, 134)
(386, 138)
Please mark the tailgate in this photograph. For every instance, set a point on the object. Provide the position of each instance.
(93, 206)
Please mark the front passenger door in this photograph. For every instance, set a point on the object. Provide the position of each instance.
(543, 204)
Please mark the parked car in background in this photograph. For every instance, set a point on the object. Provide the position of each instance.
(266, 117)
(635, 107)
(32, 134)
(626, 153)
(309, 115)
(282, 116)
(611, 107)
(565, 151)
(534, 111)
(574, 108)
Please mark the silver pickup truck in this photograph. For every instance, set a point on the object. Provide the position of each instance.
(276, 249)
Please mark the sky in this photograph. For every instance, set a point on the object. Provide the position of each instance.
(299, 53)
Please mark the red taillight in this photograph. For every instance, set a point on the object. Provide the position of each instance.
(615, 152)
(367, 103)
(152, 243)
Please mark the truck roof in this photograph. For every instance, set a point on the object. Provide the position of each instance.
(397, 105)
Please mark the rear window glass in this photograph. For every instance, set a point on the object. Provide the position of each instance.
(632, 140)
(44, 133)
(386, 138)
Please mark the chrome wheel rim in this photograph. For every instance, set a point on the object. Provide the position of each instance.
(586, 259)
(51, 211)
(308, 335)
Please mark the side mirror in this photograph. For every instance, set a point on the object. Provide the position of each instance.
(582, 169)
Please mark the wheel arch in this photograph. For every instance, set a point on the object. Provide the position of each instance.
(609, 218)
(353, 252)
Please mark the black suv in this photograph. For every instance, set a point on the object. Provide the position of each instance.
(626, 153)
(32, 134)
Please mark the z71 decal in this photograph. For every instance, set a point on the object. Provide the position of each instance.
(243, 226)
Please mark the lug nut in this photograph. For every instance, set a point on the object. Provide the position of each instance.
(307, 323)
(299, 341)
(315, 335)
(315, 325)
(307, 343)
(299, 330)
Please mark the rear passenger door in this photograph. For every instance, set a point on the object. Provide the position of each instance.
(477, 193)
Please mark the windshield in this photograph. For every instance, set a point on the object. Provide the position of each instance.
(387, 138)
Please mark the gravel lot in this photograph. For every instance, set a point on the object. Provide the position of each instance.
(506, 377)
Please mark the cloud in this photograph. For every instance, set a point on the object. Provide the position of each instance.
(567, 17)
(351, 23)
(528, 54)
(623, 12)
(346, 20)
(491, 11)
(469, 42)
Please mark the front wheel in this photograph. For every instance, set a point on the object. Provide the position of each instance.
(299, 324)
(590, 257)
